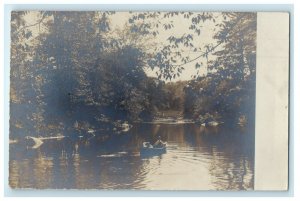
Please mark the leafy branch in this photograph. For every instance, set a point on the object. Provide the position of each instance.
(31, 25)
(202, 55)
(205, 54)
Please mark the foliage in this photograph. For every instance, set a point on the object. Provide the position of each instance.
(229, 87)
(71, 66)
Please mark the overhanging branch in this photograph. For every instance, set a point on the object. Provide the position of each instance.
(31, 25)
(212, 49)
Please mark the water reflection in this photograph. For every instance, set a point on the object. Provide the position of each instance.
(196, 158)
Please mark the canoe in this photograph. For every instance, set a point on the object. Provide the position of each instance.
(149, 149)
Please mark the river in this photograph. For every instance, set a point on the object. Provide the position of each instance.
(197, 158)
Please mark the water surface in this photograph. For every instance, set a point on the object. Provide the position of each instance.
(197, 158)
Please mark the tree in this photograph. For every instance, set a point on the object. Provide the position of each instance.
(25, 81)
(229, 88)
(237, 35)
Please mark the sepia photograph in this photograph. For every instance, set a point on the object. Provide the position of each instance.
(132, 100)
